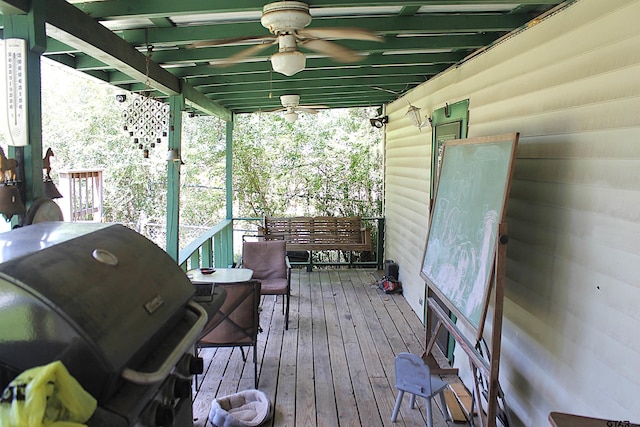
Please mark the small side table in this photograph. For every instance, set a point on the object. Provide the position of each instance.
(205, 282)
(221, 275)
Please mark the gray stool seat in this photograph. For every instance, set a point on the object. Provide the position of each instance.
(413, 376)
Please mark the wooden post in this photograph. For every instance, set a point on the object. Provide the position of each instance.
(496, 332)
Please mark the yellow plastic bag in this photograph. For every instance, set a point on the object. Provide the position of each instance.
(45, 396)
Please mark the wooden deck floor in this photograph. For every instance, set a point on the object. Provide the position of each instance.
(334, 366)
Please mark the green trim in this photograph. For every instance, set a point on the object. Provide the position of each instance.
(229, 169)
(218, 248)
(207, 254)
(176, 105)
(448, 115)
(192, 249)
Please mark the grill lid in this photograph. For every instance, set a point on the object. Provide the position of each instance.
(97, 296)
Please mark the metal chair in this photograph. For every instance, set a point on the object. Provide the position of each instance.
(237, 322)
(413, 376)
(270, 265)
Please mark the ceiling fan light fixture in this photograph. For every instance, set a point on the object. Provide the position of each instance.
(290, 100)
(290, 116)
(289, 62)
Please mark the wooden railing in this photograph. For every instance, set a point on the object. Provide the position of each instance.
(217, 240)
(215, 247)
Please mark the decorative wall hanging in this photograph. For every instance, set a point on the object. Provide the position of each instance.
(146, 119)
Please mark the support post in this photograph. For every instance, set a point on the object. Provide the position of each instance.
(30, 27)
(229, 170)
(224, 250)
(176, 105)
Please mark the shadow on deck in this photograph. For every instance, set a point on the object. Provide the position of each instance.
(334, 366)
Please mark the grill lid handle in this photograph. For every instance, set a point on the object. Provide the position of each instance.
(105, 257)
(145, 378)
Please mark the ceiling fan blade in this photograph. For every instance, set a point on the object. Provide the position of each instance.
(306, 110)
(339, 33)
(333, 50)
(242, 54)
(222, 42)
(314, 107)
(274, 110)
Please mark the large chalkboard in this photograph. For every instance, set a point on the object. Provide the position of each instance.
(470, 202)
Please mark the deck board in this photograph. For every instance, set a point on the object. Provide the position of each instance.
(326, 410)
(334, 366)
(305, 391)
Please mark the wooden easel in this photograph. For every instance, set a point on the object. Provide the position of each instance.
(479, 363)
(465, 258)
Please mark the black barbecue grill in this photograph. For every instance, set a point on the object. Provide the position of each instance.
(113, 307)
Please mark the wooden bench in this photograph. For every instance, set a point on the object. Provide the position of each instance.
(321, 233)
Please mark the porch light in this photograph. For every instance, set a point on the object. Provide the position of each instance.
(379, 122)
(288, 62)
(416, 120)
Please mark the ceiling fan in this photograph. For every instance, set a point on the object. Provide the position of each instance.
(286, 21)
(291, 107)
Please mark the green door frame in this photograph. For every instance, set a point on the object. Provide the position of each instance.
(449, 122)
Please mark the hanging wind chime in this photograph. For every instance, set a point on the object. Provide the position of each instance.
(146, 119)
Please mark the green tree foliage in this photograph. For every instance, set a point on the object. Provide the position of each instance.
(82, 123)
(202, 192)
(323, 164)
(84, 127)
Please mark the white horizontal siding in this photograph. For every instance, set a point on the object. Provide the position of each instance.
(407, 169)
(571, 86)
(585, 144)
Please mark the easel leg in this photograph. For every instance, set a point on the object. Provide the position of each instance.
(430, 340)
(477, 400)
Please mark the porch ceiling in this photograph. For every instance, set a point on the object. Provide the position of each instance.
(109, 39)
